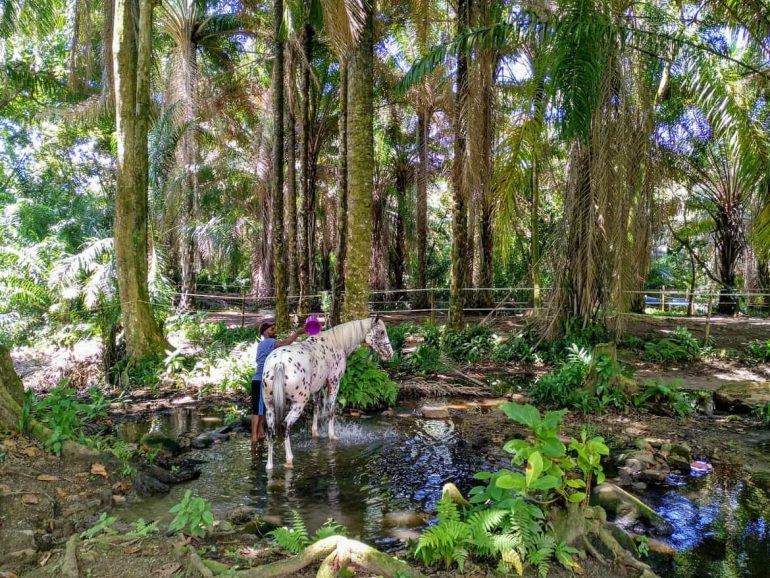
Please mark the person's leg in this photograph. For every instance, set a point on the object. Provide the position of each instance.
(260, 414)
(256, 405)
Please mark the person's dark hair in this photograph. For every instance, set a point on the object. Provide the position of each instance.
(265, 325)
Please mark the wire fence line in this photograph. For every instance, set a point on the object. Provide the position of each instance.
(435, 300)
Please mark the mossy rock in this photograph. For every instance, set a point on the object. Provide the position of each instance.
(259, 526)
(742, 396)
(167, 444)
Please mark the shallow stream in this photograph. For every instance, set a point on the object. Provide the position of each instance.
(382, 465)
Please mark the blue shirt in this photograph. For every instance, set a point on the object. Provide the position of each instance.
(264, 349)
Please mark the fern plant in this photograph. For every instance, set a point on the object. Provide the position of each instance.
(297, 538)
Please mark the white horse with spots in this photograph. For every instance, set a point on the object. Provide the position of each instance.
(299, 371)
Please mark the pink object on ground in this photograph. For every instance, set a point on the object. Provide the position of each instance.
(312, 325)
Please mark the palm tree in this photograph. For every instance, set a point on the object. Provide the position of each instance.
(132, 50)
(192, 30)
(360, 145)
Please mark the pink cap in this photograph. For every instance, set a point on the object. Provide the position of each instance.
(312, 325)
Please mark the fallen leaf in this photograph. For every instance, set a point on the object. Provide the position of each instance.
(31, 452)
(118, 499)
(47, 478)
(44, 559)
(62, 492)
(81, 475)
(4, 489)
(29, 499)
(167, 569)
(133, 550)
(98, 469)
(9, 443)
(120, 488)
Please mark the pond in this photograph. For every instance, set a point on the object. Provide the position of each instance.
(391, 464)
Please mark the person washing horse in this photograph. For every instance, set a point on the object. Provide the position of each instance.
(266, 345)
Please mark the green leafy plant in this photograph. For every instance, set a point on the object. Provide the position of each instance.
(365, 384)
(142, 529)
(680, 346)
(193, 516)
(397, 334)
(558, 389)
(642, 546)
(297, 538)
(757, 351)
(763, 413)
(471, 343)
(426, 360)
(516, 348)
(664, 398)
(102, 526)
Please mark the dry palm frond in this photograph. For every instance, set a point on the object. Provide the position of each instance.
(344, 21)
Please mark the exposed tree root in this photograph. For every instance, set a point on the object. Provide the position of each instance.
(69, 565)
(198, 564)
(338, 552)
(581, 527)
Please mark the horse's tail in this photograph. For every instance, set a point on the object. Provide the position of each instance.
(279, 395)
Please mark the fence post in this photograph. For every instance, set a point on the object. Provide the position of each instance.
(663, 298)
(432, 303)
(708, 319)
(243, 305)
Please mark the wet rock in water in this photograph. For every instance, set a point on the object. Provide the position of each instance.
(616, 501)
(183, 473)
(207, 439)
(742, 396)
(147, 485)
(645, 457)
(167, 445)
(660, 547)
(260, 526)
(405, 535)
(241, 514)
(681, 449)
(679, 463)
(403, 519)
(225, 429)
(435, 411)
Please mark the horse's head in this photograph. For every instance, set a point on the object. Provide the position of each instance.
(377, 339)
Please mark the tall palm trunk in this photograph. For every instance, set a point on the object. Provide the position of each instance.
(303, 214)
(132, 50)
(186, 70)
(342, 209)
(360, 170)
(534, 218)
(423, 129)
(279, 246)
(108, 77)
(729, 245)
(291, 179)
(459, 193)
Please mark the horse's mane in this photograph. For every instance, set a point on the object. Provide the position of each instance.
(350, 334)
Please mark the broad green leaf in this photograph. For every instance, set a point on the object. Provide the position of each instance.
(576, 483)
(577, 497)
(534, 467)
(552, 447)
(511, 482)
(552, 419)
(546, 483)
(524, 414)
(515, 446)
(482, 475)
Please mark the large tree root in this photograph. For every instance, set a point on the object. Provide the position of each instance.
(69, 565)
(337, 552)
(583, 527)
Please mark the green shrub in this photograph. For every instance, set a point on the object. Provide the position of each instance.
(426, 360)
(193, 516)
(471, 343)
(397, 334)
(762, 412)
(516, 348)
(365, 384)
(681, 346)
(431, 334)
(102, 526)
(558, 389)
(664, 398)
(758, 351)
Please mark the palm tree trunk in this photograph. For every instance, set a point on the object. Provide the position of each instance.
(303, 216)
(728, 234)
(11, 393)
(291, 180)
(108, 78)
(459, 193)
(423, 129)
(342, 209)
(279, 246)
(132, 50)
(360, 170)
(187, 157)
(378, 280)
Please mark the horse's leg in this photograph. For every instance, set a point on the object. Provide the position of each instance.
(333, 385)
(316, 409)
(270, 435)
(293, 415)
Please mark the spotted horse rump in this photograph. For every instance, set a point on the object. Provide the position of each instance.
(298, 372)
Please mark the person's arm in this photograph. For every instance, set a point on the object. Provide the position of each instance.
(291, 338)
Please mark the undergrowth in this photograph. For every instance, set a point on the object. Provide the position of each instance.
(297, 538)
(365, 384)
